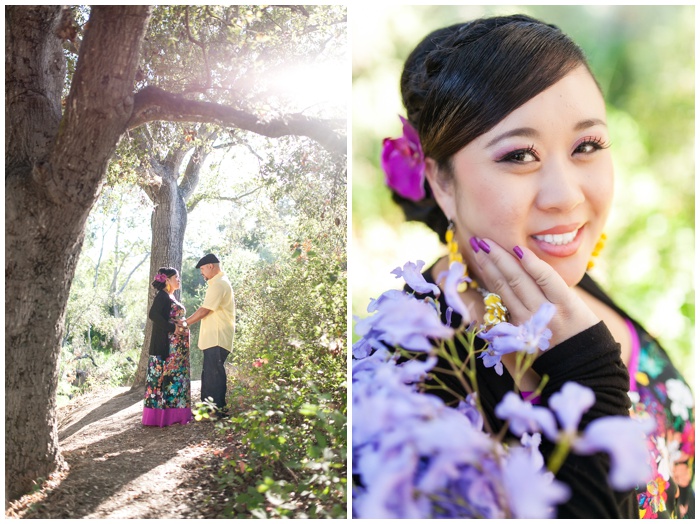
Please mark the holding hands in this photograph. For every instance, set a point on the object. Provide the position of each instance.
(180, 326)
(524, 282)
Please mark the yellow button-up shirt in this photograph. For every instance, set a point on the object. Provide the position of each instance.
(219, 326)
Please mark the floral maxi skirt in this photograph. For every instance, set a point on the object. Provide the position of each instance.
(167, 399)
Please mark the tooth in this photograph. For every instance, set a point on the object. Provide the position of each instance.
(558, 240)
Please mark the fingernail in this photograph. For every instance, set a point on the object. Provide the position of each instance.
(475, 244)
(518, 252)
(483, 245)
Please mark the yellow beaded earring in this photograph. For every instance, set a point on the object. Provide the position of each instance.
(596, 250)
(452, 247)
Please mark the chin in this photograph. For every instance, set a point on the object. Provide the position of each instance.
(571, 271)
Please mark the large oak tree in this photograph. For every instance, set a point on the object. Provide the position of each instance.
(61, 131)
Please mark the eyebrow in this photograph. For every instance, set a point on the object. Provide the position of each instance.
(529, 132)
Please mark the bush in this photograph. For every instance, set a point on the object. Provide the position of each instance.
(288, 392)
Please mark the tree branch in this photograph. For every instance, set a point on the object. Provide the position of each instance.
(194, 166)
(196, 42)
(202, 197)
(145, 257)
(153, 103)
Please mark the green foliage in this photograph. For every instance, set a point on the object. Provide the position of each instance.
(105, 314)
(292, 460)
(288, 387)
(83, 372)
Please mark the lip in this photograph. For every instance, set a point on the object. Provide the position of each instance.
(564, 250)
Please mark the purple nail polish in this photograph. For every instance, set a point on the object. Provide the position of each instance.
(475, 244)
(483, 245)
(518, 252)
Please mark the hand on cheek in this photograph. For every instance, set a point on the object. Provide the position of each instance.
(524, 282)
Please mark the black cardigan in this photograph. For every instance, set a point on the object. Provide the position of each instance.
(162, 326)
(591, 358)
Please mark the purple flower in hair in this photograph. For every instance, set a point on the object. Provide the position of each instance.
(404, 163)
(161, 277)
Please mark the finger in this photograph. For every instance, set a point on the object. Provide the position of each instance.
(573, 315)
(545, 277)
(503, 274)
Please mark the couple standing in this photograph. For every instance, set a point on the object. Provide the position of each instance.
(167, 398)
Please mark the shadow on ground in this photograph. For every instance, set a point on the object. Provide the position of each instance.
(109, 408)
(119, 468)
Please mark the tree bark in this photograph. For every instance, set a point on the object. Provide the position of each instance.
(54, 170)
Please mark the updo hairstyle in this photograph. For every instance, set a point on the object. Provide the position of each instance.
(462, 80)
(168, 272)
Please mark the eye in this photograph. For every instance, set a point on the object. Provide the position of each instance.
(521, 156)
(590, 145)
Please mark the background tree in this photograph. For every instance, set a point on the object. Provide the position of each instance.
(57, 151)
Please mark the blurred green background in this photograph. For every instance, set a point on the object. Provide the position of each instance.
(643, 58)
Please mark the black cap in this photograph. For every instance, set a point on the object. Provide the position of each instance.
(207, 259)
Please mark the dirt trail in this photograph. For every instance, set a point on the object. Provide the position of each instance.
(118, 468)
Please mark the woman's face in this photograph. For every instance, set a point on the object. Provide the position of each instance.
(173, 282)
(541, 178)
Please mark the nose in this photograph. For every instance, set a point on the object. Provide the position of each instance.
(561, 186)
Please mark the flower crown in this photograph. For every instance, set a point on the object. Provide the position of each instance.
(404, 163)
(161, 277)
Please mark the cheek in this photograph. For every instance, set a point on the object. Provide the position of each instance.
(600, 189)
(489, 210)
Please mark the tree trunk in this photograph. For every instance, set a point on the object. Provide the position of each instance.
(168, 223)
(54, 170)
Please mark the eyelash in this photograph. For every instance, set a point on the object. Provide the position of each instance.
(596, 142)
(510, 157)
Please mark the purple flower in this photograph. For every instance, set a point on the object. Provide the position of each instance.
(389, 485)
(625, 440)
(532, 492)
(532, 335)
(474, 494)
(506, 338)
(404, 163)
(392, 294)
(413, 277)
(402, 320)
(469, 409)
(532, 444)
(361, 349)
(570, 403)
(452, 278)
(524, 417)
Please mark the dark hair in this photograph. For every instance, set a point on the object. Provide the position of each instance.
(461, 80)
(168, 272)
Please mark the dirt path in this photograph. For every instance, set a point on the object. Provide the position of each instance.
(118, 468)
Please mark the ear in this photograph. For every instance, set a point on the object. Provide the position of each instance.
(443, 188)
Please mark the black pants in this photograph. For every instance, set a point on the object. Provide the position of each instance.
(214, 375)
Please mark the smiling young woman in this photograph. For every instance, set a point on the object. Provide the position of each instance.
(509, 128)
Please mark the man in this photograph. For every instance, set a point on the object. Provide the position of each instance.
(218, 316)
